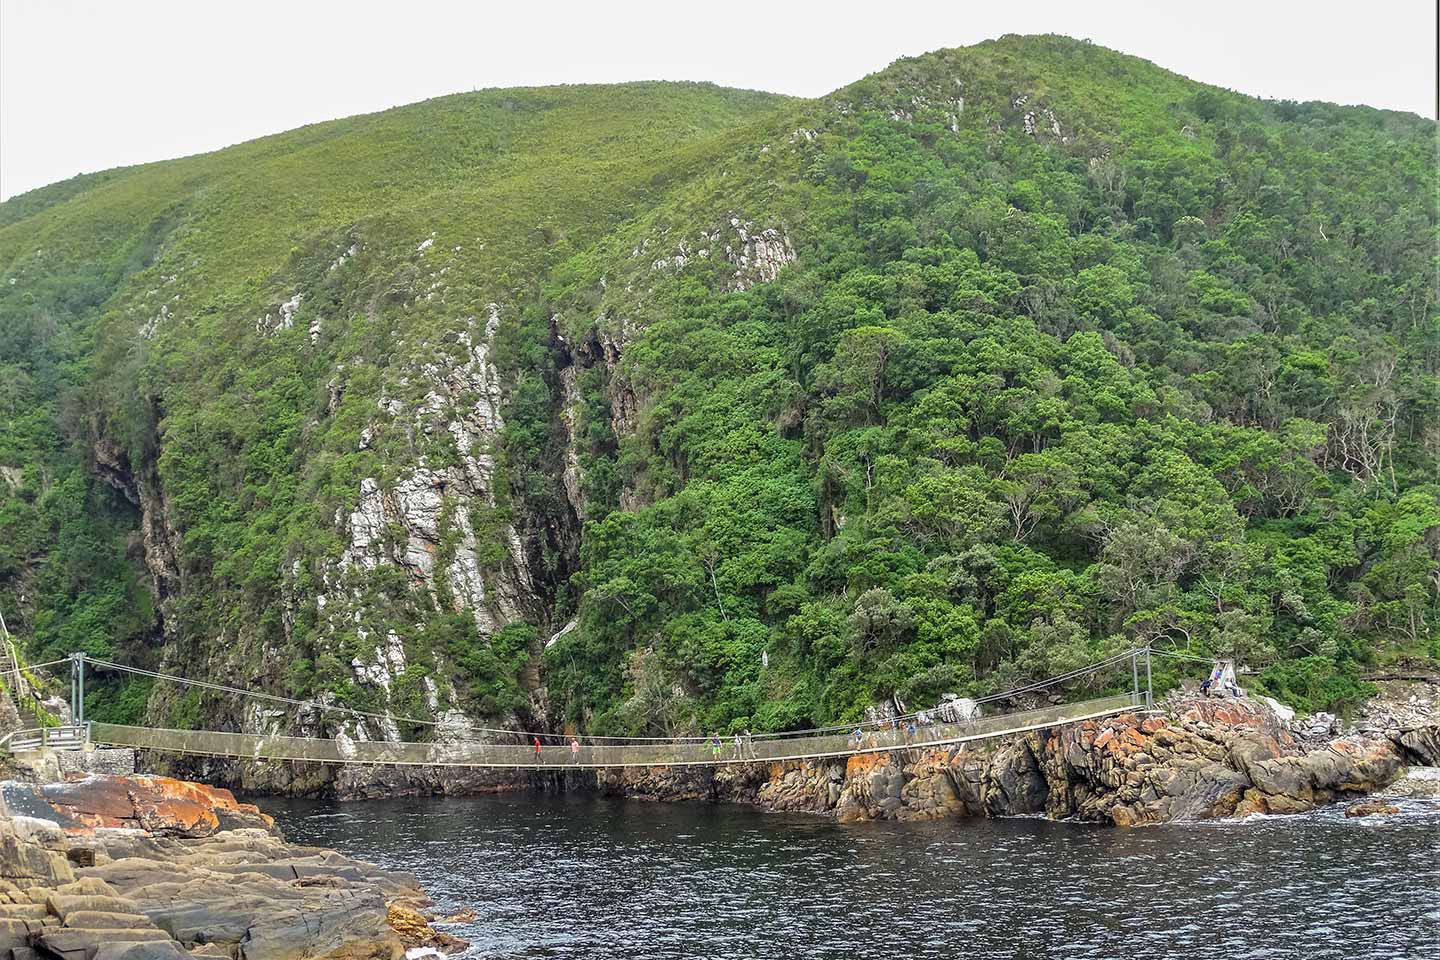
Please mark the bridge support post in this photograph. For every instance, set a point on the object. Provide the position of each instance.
(1135, 675)
(77, 688)
(1149, 683)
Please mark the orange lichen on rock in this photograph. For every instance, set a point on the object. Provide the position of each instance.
(862, 763)
(159, 805)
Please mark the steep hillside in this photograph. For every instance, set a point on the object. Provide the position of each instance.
(214, 336)
(578, 405)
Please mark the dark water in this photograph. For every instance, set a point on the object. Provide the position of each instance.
(568, 876)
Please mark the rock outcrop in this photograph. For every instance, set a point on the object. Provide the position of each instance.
(159, 806)
(149, 868)
(1204, 758)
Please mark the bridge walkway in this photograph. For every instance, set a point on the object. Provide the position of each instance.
(518, 750)
(590, 755)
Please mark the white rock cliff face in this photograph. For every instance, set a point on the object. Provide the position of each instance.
(755, 255)
(570, 419)
(432, 505)
(423, 521)
(760, 256)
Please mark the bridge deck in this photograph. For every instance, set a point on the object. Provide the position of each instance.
(659, 753)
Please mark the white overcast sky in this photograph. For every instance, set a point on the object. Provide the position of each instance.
(89, 85)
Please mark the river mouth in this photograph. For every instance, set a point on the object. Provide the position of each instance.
(578, 875)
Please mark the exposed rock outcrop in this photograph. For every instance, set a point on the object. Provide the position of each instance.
(432, 503)
(158, 805)
(190, 882)
(1204, 758)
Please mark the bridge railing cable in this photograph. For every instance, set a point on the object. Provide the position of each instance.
(1187, 657)
(468, 753)
(845, 731)
(31, 667)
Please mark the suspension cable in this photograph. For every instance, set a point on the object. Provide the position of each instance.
(1174, 655)
(273, 698)
(503, 731)
(33, 666)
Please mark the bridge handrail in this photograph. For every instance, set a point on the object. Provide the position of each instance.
(262, 747)
(526, 736)
(69, 736)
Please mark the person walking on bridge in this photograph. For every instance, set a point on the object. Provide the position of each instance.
(574, 750)
(537, 749)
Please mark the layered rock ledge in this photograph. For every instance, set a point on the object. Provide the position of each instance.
(1201, 758)
(148, 868)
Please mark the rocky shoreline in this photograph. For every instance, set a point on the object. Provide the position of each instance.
(128, 867)
(1202, 758)
(150, 868)
(1197, 758)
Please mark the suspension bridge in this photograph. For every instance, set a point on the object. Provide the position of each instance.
(952, 724)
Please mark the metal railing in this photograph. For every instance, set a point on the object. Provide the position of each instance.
(251, 746)
(73, 736)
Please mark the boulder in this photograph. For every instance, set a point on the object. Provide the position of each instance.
(160, 806)
(32, 853)
(1420, 745)
(415, 933)
(956, 709)
(73, 943)
(1346, 767)
(63, 905)
(1284, 715)
(1320, 724)
(874, 784)
(1014, 784)
(929, 792)
(102, 919)
(1371, 808)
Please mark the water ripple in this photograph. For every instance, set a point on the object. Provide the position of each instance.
(578, 876)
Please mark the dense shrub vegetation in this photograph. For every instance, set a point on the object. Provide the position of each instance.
(1016, 408)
